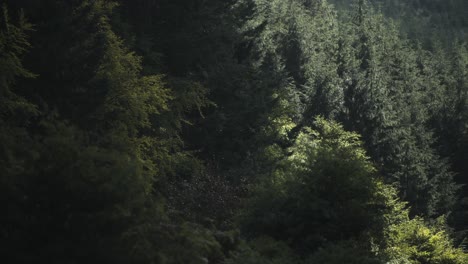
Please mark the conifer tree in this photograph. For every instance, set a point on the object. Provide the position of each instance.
(17, 148)
(92, 192)
(384, 102)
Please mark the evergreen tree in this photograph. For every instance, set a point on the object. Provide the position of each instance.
(296, 214)
(17, 148)
(136, 132)
(326, 178)
(450, 121)
(385, 102)
(92, 193)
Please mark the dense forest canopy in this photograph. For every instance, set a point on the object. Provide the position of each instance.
(237, 132)
(425, 21)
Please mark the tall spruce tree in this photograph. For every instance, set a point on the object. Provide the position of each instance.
(384, 99)
(17, 149)
(92, 193)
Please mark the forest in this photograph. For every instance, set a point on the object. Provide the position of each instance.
(234, 131)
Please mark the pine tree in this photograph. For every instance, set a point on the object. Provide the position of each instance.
(93, 192)
(17, 149)
(385, 102)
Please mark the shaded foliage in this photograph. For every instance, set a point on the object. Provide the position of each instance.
(172, 131)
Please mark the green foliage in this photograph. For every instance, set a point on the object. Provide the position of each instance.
(205, 197)
(325, 179)
(413, 241)
(345, 252)
(423, 21)
(303, 45)
(263, 250)
(13, 44)
(386, 102)
(171, 243)
(87, 189)
(85, 197)
(18, 150)
(146, 123)
(449, 119)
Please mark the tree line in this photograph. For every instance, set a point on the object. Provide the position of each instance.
(238, 131)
